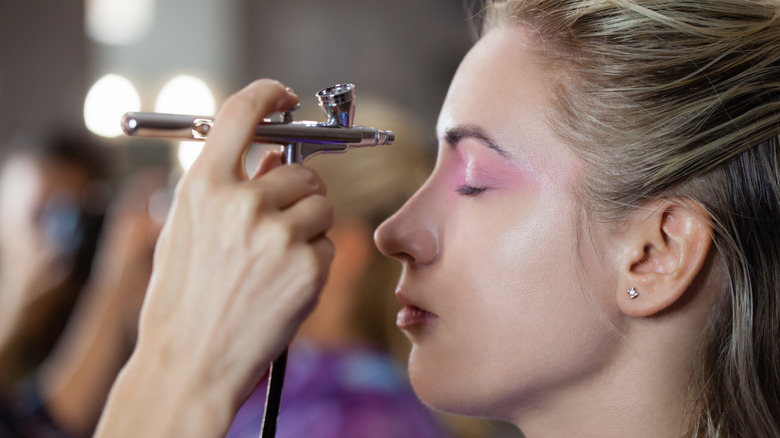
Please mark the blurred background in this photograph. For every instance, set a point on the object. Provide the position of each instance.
(188, 55)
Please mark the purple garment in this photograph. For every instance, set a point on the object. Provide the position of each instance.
(341, 394)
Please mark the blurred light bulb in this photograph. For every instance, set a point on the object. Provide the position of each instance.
(185, 94)
(118, 22)
(187, 152)
(108, 99)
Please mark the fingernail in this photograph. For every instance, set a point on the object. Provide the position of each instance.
(309, 175)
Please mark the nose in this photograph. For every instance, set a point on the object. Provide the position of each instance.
(410, 235)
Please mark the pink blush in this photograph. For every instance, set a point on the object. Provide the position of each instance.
(483, 168)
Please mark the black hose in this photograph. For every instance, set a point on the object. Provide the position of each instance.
(273, 397)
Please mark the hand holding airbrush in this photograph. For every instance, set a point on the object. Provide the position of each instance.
(299, 140)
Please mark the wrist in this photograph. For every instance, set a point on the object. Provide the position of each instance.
(152, 398)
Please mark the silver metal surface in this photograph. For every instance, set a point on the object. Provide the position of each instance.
(336, 135)
(338, 104)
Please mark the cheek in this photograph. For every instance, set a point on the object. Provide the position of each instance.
(528, 286)
(519, 312)
(520, 257)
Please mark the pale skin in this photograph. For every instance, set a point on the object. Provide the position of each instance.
(525, 325)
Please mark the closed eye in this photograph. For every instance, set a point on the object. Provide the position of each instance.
(467, 190)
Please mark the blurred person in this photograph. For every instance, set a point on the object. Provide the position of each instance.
(74, 381)
(53, 195)
(343, 377)
(63, 396)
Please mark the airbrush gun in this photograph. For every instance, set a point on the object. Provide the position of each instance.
(299, 140)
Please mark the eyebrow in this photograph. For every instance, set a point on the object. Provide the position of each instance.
(454, 135)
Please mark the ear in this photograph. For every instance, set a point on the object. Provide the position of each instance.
(664, 249)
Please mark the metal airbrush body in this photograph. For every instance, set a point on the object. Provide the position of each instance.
(301, 139)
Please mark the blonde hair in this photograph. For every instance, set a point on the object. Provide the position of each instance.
(681, 98)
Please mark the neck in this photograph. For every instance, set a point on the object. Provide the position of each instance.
(644, 392)
(646, 389)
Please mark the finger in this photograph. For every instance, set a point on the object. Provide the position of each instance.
(283, 186)
(271, 160)
(325, 250)
(311, 217)
(313, 271)
(234, 127)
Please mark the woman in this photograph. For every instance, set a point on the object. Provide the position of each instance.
(595, 252)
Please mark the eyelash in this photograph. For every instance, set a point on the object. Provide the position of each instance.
(467, 190)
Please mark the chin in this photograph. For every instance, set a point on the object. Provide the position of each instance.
(449, 389)
(474, 388)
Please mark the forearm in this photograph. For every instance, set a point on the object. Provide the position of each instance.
(22, 308)
(8, 329)
(10, 316)
(75, 381)
(11, 333)
(152, 400)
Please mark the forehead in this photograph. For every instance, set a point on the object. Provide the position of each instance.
(505, 86)
(500, 83)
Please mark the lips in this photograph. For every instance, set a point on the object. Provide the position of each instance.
(411, 316)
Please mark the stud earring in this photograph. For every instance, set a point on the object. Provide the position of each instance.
(632, 293)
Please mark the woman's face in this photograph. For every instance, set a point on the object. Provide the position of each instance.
(503, 308)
